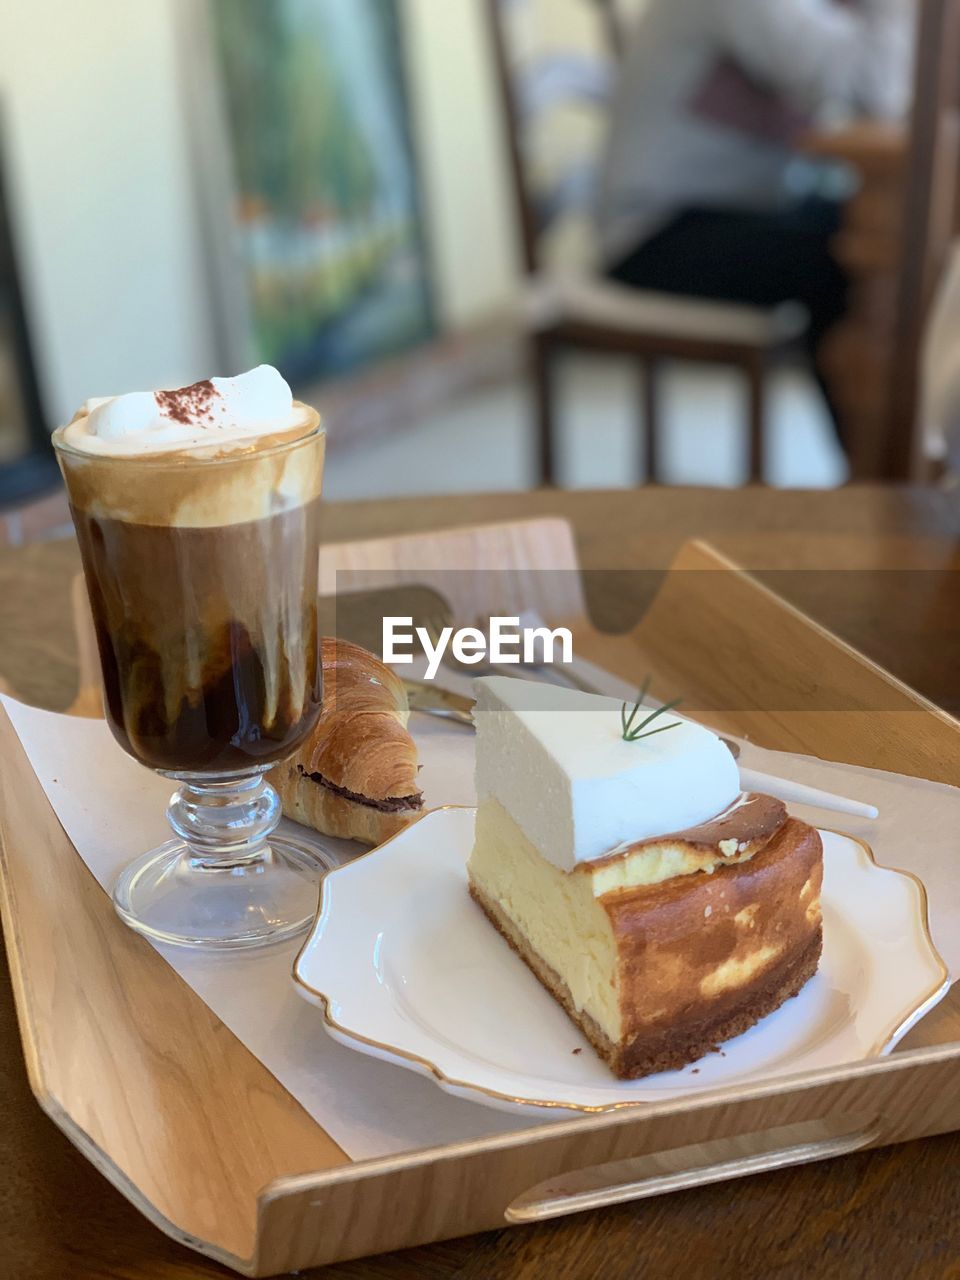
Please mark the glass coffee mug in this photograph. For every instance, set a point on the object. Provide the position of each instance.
(201, 568)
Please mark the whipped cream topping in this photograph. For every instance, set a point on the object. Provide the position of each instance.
(218, 412)
(556, 760)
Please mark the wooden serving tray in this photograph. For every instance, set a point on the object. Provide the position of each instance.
(176, 1112)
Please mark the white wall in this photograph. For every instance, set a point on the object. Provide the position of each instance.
(463, 160)
(103, 206)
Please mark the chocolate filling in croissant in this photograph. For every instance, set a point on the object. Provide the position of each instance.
(391, 804)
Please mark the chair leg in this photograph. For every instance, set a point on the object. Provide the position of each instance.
(541, 376)
(650, 426)
(756, 371)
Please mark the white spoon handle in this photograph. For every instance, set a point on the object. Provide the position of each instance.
(784, 789)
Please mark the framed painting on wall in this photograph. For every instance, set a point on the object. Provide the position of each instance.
(324, 236)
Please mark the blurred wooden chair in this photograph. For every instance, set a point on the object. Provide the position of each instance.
(564, 309)
(857, 353)
(930, 222)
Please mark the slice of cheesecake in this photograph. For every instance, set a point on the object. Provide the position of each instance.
(663, 908)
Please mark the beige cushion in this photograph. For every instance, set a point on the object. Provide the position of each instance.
(552, 300)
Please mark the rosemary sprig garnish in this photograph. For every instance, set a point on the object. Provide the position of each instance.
(632, 732)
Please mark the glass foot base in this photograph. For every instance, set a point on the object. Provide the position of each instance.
(170, 895)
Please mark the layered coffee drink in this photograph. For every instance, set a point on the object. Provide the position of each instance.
(197, 512)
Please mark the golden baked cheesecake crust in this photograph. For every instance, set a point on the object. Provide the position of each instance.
(735, 835)
(660, 973)
(704, 957)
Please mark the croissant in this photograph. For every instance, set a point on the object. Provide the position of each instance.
(355, 776)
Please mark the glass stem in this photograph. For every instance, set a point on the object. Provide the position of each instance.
(225, 822)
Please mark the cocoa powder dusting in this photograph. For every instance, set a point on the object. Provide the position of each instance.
(188, 404)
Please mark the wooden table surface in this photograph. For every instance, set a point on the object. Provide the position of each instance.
(871, 564)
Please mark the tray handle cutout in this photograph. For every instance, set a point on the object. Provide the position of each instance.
(680, 1168)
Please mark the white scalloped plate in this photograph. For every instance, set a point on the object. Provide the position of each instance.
(405, 967)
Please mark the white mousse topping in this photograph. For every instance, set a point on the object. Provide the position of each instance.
(557, 761)
(218, 412)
